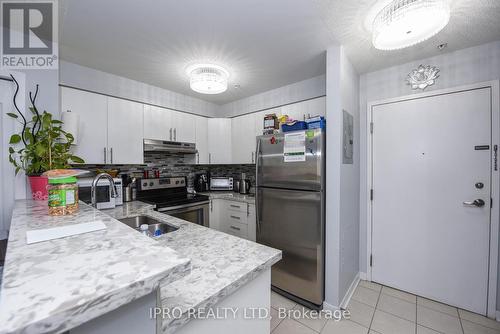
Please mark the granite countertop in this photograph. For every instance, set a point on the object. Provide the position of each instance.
(221, 263)
(231, 195)
(56, 285)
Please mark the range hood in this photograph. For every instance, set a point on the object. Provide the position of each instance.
(153, 145)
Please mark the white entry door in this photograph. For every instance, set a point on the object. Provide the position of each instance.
(431, 196)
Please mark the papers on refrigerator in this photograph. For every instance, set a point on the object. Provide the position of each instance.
(294, 148)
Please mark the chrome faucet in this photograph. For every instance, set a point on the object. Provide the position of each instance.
(93, 192)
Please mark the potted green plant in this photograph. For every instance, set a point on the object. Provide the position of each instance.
(40, 146)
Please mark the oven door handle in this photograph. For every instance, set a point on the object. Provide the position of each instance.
(183, 206)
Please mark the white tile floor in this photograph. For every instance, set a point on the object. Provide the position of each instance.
(377, 309)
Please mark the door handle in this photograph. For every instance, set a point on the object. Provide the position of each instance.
(175, 134)
(477, 203)
(170, 134)
(111, 154)
(105, 155)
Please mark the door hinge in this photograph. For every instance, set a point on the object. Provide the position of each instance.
(371, 194)
(371, 260)
(371, 127)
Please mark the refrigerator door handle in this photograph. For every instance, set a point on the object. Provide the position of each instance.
(257, 204)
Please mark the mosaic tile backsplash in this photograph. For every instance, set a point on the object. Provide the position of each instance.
(181, 165)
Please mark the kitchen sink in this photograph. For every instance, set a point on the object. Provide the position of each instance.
(155, 226)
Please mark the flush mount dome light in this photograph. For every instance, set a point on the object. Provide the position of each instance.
(207, 78)
(403, 23)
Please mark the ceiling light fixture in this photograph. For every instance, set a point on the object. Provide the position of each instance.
(403, 23)
(207, 78)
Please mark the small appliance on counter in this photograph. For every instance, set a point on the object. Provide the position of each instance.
(129, 188)
(201, 182)
(221, 184)
(104, 198)
(244, 185)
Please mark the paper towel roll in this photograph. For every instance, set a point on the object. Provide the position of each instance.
(70, 124)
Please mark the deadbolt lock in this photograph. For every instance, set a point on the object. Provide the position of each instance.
(479, 185)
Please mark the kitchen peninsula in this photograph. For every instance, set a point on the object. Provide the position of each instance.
(75, 283)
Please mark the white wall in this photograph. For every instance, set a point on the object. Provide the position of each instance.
(295, 92)
(333, 159)
(349, 181)
(82, 77)
(342, 182)
(11, 187)
(48, 89)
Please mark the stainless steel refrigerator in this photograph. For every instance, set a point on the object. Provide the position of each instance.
(290, 202)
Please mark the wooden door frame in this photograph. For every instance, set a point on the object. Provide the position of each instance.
(495, 185)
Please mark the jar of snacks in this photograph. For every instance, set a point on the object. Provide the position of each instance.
(63, 196)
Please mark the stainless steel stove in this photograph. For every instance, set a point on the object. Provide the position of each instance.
(169, 195)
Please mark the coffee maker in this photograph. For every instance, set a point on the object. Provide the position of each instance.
(201, 182)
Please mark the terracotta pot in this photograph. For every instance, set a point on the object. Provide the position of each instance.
(39, 187)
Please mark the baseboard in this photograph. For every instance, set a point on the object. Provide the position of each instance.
(329, 307)
(363, 276)
(350, 292)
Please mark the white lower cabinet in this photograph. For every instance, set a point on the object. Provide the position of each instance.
(214, 215)
(233, 217)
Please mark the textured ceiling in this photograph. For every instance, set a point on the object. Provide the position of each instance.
(264, 44)
(472, 22)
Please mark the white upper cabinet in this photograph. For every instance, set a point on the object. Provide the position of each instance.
(219, 140)
(92, 127)
(201, 140)
(184, 127)
(243, 139)
(157, 123)
(125, 131)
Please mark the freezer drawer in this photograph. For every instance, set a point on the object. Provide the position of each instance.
(293, 221)
(273, 171)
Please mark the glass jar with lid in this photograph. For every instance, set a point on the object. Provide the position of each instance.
(63, 196)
